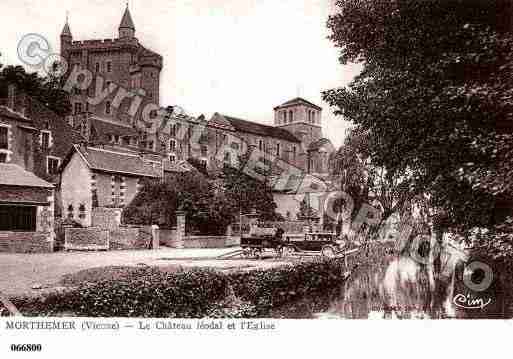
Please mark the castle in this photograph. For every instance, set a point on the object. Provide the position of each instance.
(296, 137)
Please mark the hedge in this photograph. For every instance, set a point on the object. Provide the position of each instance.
(198, 293)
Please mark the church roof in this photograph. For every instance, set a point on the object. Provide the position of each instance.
(298, 101)
(127, 21)
(244, 126)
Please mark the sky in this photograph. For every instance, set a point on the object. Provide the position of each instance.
(237, 57)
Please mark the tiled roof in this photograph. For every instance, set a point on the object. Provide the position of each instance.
(14, 175)
(110, 128)
(314, 146)
(240, 125)
(178, 167)
(298, 101)
(7, 112)
(117, 162)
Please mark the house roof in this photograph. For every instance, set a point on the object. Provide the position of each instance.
(315, 146)
(7, 112)
(14, 175)
(240, 125)
(110, 128)
(117, 162)
(298, 101)
(178, 167)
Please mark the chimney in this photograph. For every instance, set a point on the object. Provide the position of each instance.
(11, 96)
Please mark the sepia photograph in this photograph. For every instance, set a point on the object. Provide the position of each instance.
(203, 165)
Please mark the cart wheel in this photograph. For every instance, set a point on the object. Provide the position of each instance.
(328, 252)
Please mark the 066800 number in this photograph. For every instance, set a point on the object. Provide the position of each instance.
(26, 347)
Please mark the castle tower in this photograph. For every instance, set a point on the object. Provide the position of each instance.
(127, 27)
(122, 62)
(302, 118)
(66, 38)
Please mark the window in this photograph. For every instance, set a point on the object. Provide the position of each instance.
(18, 218)
(203, 162)
(3, 157)
(172, 158)
(109, 66)
(52, 165)
(4, 138)
(77, 91)
(261, 145)
(173, 130)
(78, 108)
(278, 150)
(116, 139)
(284, 114)
(45, 140)
(150, 145)
(97, 67)
(294, 150)
(291, 116)
(107, 108)
(172, 145)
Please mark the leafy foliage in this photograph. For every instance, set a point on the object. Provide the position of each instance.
(210, 204)
(436, 80)
(150, 292)
(47, 90)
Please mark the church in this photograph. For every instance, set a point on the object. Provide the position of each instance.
(124, 152)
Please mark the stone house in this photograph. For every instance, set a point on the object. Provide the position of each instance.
(95, 178)
(26, 201)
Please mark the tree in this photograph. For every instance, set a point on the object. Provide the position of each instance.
(47, 90)
(245, 194)
(210, 204)
(436, 80)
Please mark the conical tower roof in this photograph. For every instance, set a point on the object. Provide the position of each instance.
(127, 22)
(66, 30)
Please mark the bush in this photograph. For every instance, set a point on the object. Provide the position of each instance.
(198, 293)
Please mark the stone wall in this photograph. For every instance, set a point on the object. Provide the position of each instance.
(26, 242)
(205, 242)
(168, 237)
(92, 238)
(131, 238)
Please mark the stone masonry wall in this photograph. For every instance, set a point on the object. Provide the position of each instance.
(26, 242)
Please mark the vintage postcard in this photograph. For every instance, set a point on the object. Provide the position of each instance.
(182, 169)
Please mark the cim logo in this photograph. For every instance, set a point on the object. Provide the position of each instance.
(470, 302)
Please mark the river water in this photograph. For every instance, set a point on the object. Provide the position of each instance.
(387, 286)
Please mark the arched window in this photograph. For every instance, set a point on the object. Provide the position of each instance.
(107, 107)
(291, 116)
